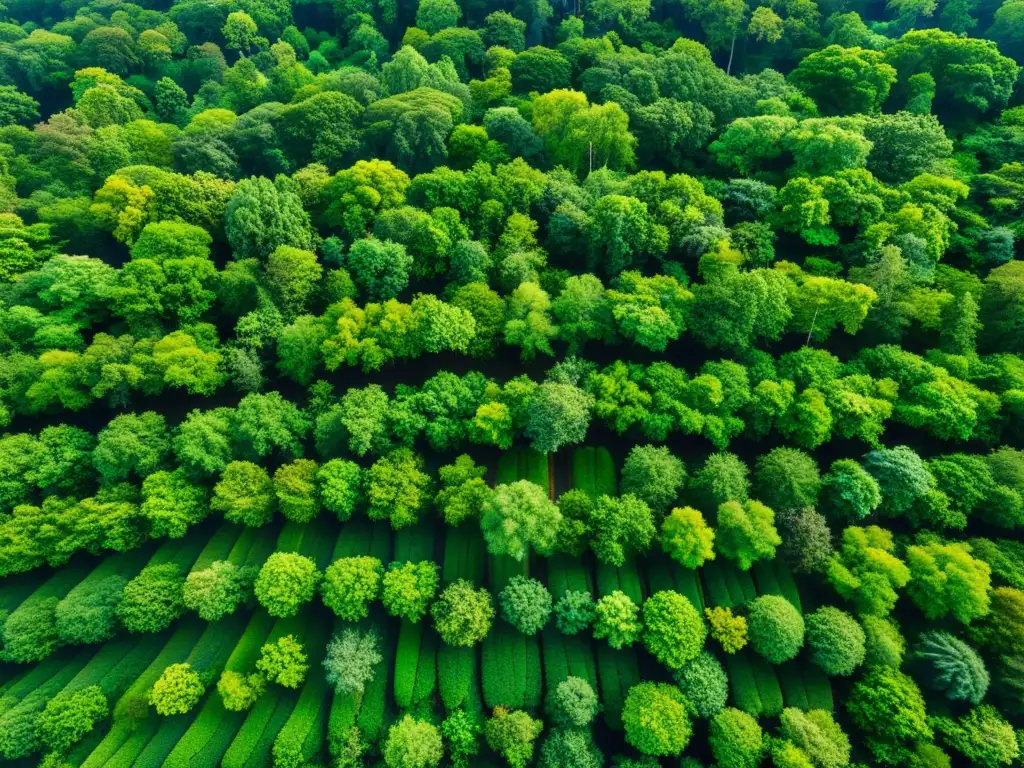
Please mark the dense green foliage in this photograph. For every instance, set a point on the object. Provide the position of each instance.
(445, 382)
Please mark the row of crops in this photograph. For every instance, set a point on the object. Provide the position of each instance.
(416, 673)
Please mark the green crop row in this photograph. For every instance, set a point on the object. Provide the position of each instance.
(818, 687)
(210, 734)
(167, 735)
(415, 543)
(16, 588)
(320, 540)
(787, 584)
(664, 573)
(805, 686)
(354, 540)
(464, 555)
(217, 644)
(21, 647)
(593, 471)
(104, 670)
(17, 724)
(426, 669)
(244, 544)
(207, 738)
(260, 754)
(508, 467)
(291, 536)
(257, 553)
(374, 707)
(502, 662)
(773, 577)
(740, 583)
(113, 668)
(727, 586)
(300, 739)
(511, 668)
(177, 648)
(501, 569)
(380, 546)
(125, 564)
(132, 716)
(767, 682)
(792, 683)
(523, 464)
(182, 552)
(567, 573)
(130, 745)
(407, 659)
(743, 685)
(455, 674)
(617, 672)
(566, 656)
(250, 746)
(218, 547)
(362, 537)
(625, 578)
(715, 588)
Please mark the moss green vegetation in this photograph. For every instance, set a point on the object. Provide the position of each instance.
(532, 384)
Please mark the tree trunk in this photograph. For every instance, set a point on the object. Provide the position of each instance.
(732, 48)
